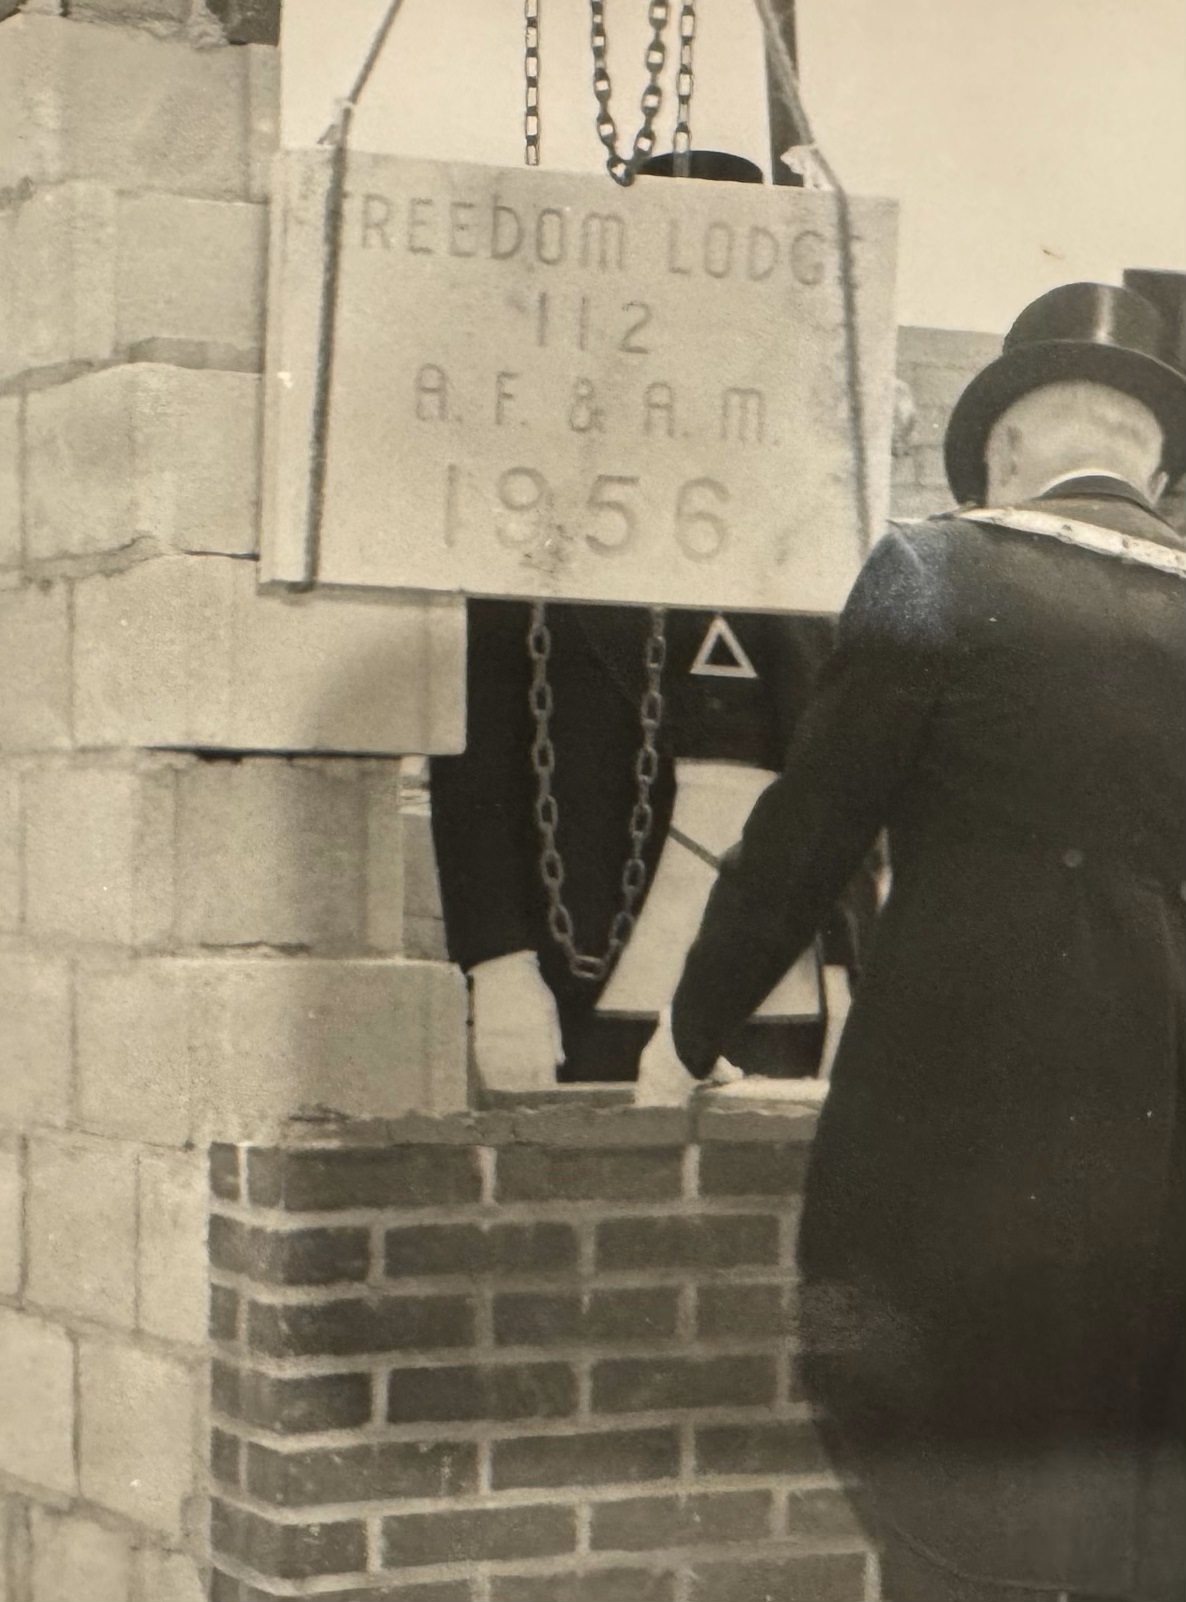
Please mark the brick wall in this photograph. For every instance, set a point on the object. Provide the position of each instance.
(534, 1356)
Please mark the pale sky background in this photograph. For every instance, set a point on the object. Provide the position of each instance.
(1029, 142)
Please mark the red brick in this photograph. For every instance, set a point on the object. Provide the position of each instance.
(615, 1457)
(740, 1310)
(385, 1470)
(757, 1170)
(725, 1242)
(636, 1385)
(537, 1319)
(822, 1516)
(224, 1313)
(598, 1585)
(290, 1257)
(224, 1172)
(581, 1124)
(493, 1391)
(343, 1328)
(837, 1578)
(291, 1406)
(288, 1551)
(321, 1180)
(535, 1173)
(226, 1458)
(469, 1249)
(480, 1535)
(648, 1523)
(788, 1447)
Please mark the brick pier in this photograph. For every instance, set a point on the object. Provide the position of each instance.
(541, 1356)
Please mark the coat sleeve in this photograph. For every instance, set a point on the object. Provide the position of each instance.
(482, 820)
(810, 831)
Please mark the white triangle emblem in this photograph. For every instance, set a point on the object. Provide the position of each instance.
(722, 655)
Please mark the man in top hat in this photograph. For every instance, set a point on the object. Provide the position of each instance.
(993, 1245)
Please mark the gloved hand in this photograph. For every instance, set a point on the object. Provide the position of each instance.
(663, 1081)
(517, 1040)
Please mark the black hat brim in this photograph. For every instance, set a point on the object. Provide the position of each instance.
(1016, 372)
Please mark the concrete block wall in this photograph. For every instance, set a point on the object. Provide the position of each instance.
(533, 1356)
(202, 801)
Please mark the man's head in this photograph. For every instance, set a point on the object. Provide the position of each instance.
(1084, 372)
(1075, 426)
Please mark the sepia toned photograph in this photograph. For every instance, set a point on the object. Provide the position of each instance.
(592, 800)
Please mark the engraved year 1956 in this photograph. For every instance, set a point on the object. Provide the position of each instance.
(521, 509)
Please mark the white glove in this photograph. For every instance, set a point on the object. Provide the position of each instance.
(517, 1040)
(663, 1081)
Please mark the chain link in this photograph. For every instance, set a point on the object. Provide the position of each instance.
(531, 82)
(547, 812)
(622, 168)
(682, 141)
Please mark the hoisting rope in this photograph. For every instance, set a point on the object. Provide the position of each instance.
(786, 82)
(337, 137)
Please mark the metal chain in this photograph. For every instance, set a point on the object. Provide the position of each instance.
(682, 140)
(547, 812)
(531, 82)
(622, 168)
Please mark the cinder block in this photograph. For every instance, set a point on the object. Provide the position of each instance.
(82, 1227)
(271, 851)
(920, 503)
(137, 1029)
(98, 853)
(10, 846)
(171, 1254)
(184, 651)
(12, 1194)
(75, 1558)
(35, 1044)
(117, 105)
(57, 251)
(137, 1433)
(191, 270)
(10, 481)
(231, 1047)
(143, 452)
(384, 859)
(168, 1576)
(36, 1402)
(941, 386)
(367, 1038)
(931, 470)
(34, 668)
(946, 347)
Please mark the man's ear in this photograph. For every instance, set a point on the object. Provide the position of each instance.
(1157, 485)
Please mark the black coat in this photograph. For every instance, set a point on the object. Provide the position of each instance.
(993, 1241)
(486, 838)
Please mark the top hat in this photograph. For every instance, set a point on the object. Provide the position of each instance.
(1100, 332)
(717, 164)
(1167, 291)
